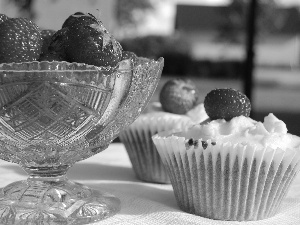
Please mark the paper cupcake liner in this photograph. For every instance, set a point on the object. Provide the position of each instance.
(227, 182)
(141, 150)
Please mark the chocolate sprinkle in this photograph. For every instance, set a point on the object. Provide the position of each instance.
(204, 144)
(190, 141)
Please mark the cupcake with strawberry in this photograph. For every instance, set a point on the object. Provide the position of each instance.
(179, 107)
(230, 167)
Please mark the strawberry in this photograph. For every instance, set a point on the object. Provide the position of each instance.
(46, 39)
(20, 40)
(79, 19)
(93, 45)
(226, 103)
(3, 18)
(58, 43)
(51, 57)
(84, 39)
(178, 96)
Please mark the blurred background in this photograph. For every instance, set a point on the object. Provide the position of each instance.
(250, 45)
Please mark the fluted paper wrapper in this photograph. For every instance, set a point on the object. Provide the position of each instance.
(228, 182)
(137, 139)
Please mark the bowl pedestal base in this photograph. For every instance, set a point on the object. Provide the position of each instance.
(54, 201)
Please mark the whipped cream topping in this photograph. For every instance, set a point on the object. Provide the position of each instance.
(244, 130)
(153, 107)
(197, 114)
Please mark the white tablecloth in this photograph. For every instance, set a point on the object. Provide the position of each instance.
(145, 203)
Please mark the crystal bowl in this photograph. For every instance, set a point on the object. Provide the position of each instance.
(54, 114)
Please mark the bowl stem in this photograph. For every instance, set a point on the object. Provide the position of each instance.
(54, 200)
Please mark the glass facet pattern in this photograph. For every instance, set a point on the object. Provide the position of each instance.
(53, 114)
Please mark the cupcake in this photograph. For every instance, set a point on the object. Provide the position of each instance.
(230, 167)
(178, 108)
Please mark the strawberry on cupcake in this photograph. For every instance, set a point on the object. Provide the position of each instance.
(226, 103)
(178, 96)
(178, 107)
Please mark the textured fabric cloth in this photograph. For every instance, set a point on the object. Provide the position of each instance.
(146, 203)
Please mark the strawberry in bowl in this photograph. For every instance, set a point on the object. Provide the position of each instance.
(20, 40)
(84, 39)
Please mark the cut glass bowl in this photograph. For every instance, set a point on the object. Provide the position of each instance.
(54, 114)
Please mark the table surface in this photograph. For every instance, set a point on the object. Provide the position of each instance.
(145, 203)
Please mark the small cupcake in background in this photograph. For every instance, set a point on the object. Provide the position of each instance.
(178, 108)
(230, 167)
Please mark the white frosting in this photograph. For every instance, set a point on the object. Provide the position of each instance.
(153, 107)
(244, 130)
(197, 114)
